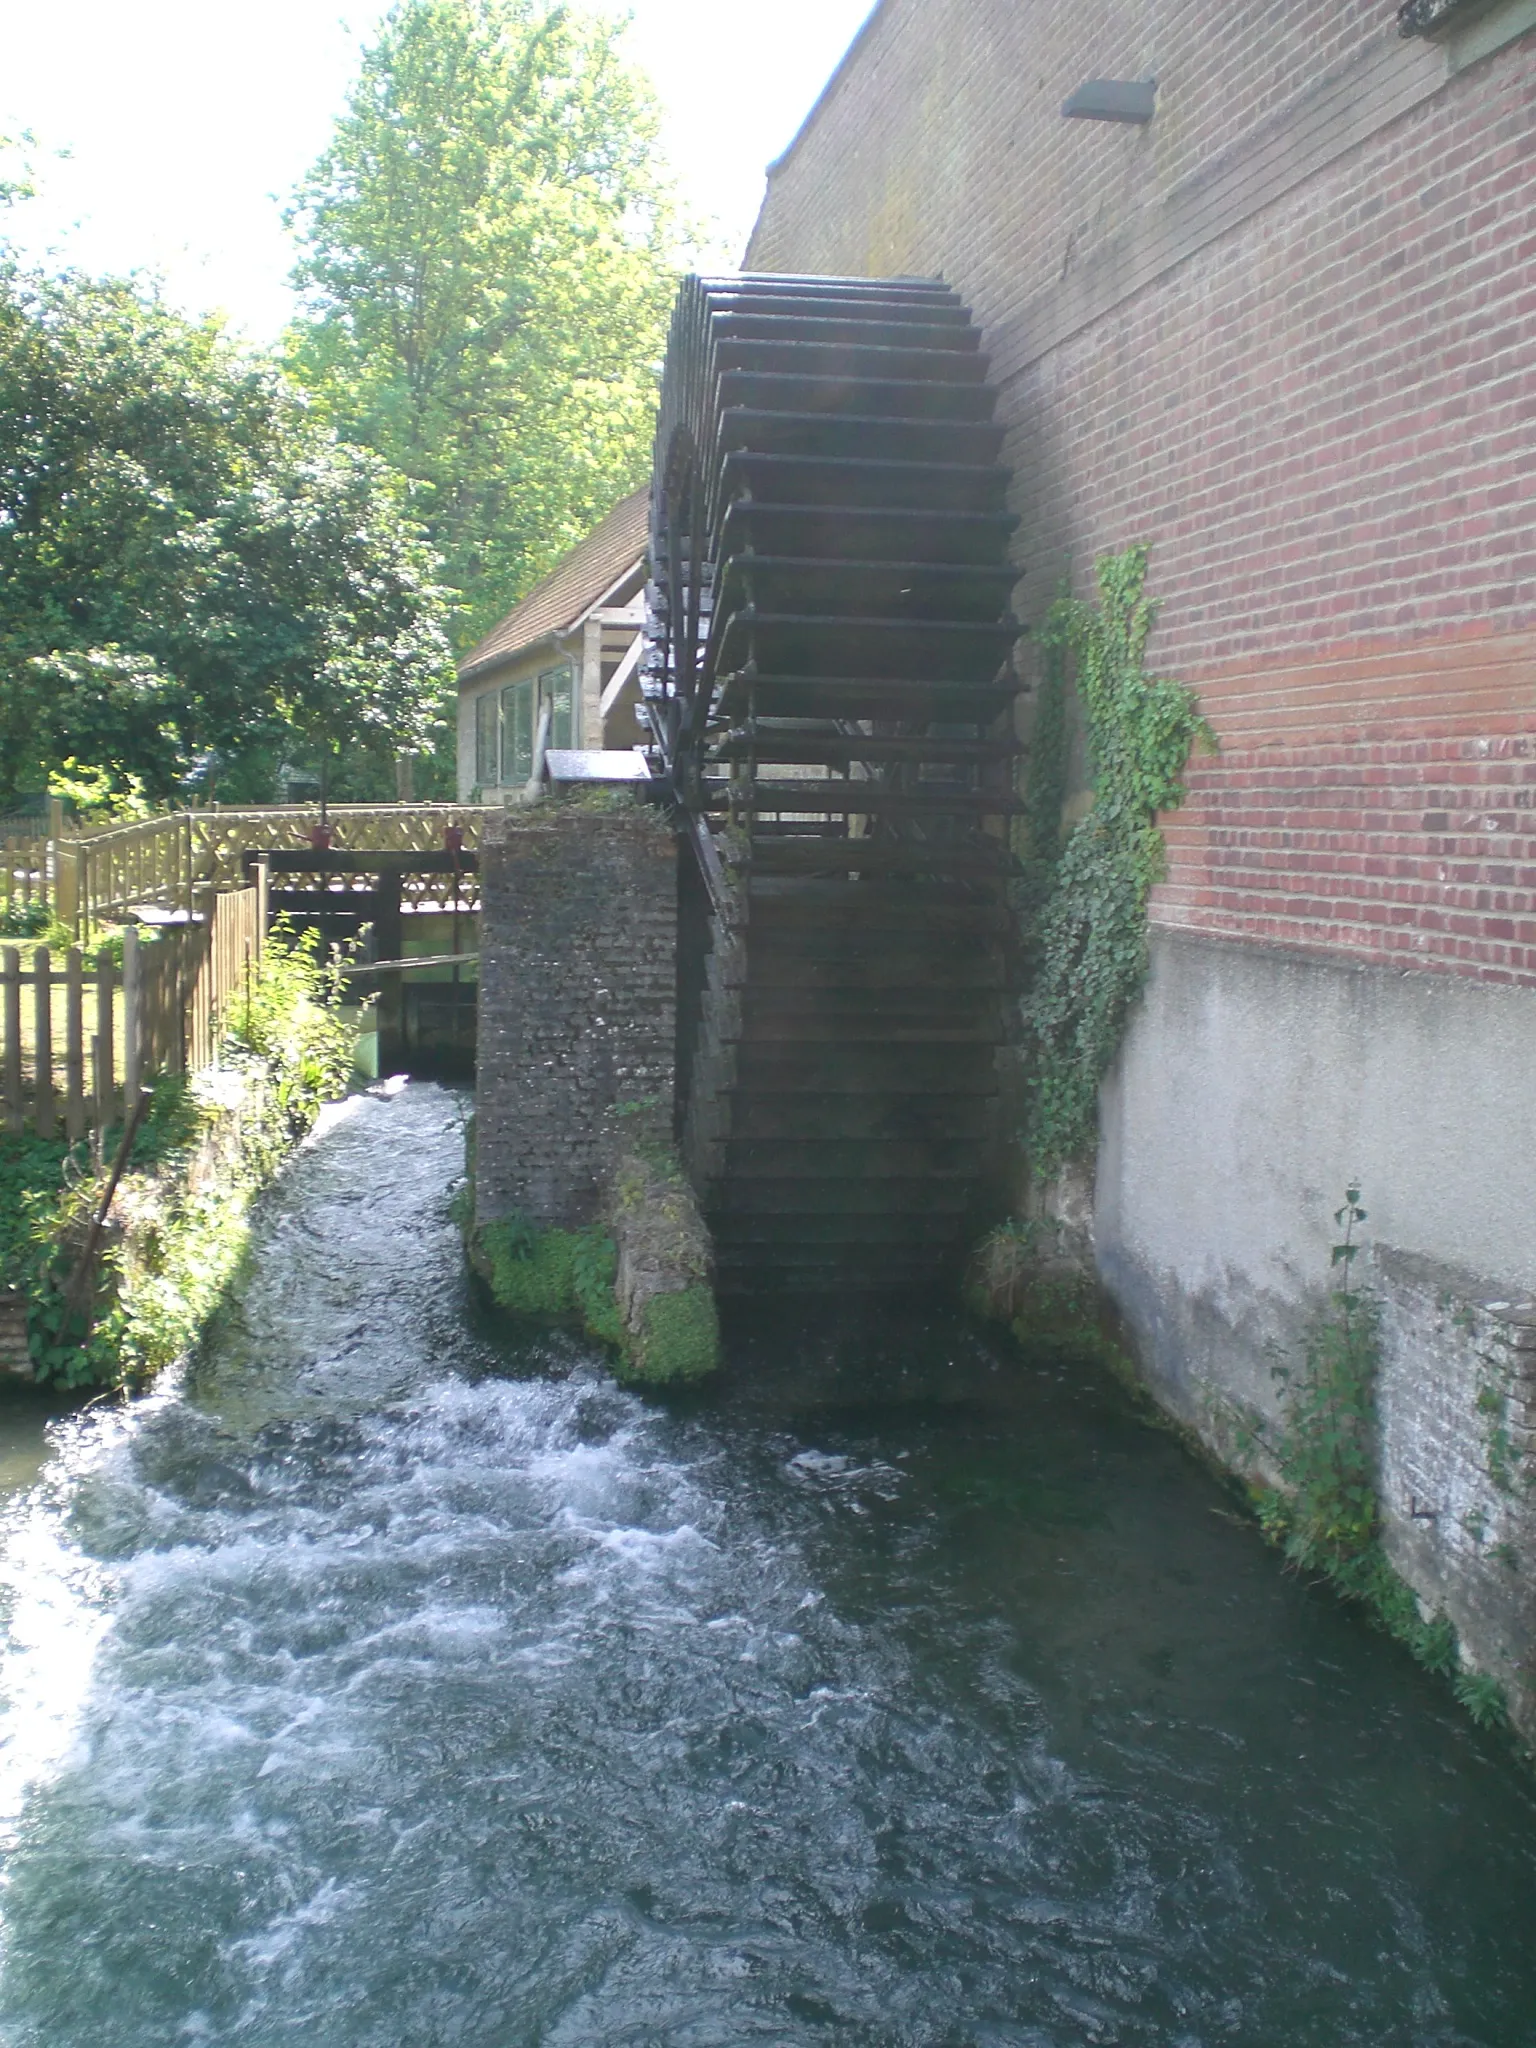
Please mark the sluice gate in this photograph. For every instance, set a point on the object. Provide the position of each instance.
(829, 680)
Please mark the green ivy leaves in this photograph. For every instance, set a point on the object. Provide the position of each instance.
(1085, 904)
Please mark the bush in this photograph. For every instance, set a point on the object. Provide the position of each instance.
(24, 920)
(292, 1022)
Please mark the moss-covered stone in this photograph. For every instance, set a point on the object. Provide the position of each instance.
(678, 1338)
(552, 1276)
(641, 1286)
(665, 1267)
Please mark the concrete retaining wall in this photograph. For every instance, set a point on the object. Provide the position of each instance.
(1253, 1087)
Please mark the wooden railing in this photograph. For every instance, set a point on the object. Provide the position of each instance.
(78, 1046)
(220, 837)
(102, 875)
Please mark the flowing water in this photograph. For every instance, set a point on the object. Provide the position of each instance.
(388, 1682)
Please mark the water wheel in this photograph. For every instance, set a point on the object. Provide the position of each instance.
(828, 681)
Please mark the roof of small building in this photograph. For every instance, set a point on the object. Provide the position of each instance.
(570, 590)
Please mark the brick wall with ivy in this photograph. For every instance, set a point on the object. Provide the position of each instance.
(1286, 335)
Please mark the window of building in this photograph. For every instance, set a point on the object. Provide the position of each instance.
(555, 690)
(516, 733)
(487, 763)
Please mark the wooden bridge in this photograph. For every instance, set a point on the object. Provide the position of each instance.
(162, 862)
(79, 1034)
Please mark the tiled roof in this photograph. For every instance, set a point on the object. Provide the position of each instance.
(571, 588)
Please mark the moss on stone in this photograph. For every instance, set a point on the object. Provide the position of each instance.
(679, 1338)
(553, 1276)
(594, 1268)
(640, 1286)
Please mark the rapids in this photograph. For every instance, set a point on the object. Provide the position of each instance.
(385, 1682)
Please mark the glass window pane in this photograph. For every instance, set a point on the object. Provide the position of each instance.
(517, 733)
(555, 688)
(486, 708)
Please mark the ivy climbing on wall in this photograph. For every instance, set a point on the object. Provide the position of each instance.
(1084, 902)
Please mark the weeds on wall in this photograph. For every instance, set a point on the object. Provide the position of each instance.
(1325, 1514)
(1084, 903)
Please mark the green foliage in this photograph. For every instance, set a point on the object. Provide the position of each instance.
(679, 1339)
(97, 795)
(16, 173)
(1483, 1697)
(489, 258)
(1326, 1456)
(553, 1276)
(289, 1018)
(1085, 905)
(31, 1176)
(25, 921)
(193, 568)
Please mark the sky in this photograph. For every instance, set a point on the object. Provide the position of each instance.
(187, 123)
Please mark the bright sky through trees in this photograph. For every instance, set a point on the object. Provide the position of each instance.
(190, 121)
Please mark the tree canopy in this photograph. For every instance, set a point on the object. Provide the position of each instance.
(489, 257)
(193, 566)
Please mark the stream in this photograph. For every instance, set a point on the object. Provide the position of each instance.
(386, 1681)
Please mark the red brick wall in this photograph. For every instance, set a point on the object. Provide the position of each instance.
(1287, 335)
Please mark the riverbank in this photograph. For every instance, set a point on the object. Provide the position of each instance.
(111, 1267)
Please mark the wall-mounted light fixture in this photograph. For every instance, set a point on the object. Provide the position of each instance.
(1133, 100)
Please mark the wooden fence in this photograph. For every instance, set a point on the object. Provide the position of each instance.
(24, 876)
(162, 862)
(228, 965)
(78, 1045)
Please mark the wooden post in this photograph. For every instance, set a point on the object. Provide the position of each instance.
(104, 1040)
(204, 1048)
(42, 998)
(388, 939)
(53, 852)
(74, 1046)
(263, 902)
(66, 884)
(10, 982)
(149, 1008)
(101, 1095)
(133, 1021)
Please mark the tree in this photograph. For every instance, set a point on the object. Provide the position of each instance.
(489, 263)
(193, 568)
